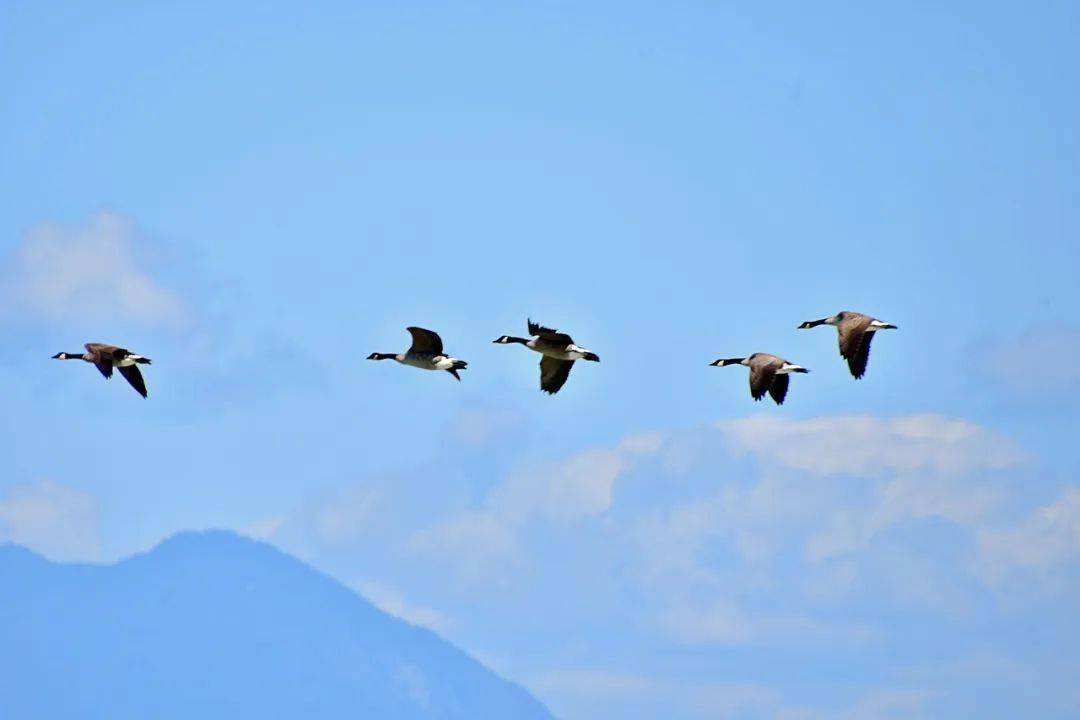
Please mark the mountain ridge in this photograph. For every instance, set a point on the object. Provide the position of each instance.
(212, 624)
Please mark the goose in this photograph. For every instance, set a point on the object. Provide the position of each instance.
(856, 332)
(559, 353)
(106, 357)
(426, 353)
(768, 374)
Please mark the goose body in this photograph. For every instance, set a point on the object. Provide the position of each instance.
(855, 332)
(426, 353)
(768, 374)
(559, 354)
(107, 357)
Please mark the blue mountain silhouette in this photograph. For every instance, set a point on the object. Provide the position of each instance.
(213, 625)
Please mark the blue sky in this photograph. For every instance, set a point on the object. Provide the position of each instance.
(259, 196)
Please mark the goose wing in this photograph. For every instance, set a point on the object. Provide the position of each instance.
(553, 373)
(851, 332)
(778, 389)
(552, 336)
(102, 356)
(857, 362)
(762, 374)
(425, 341)
(134, 377)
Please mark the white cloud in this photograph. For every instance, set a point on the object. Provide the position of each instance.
(1048, 538)
(889, 704)
(89, 272)
(723, 621)
(57, 521)
(594, 693)
(263, 529)
(911, 467)
(825, 489)
(477, 546)
(579, 486)
(482, 543)
(849, 529)
(871, 447)
(757, 535)
(393, 602)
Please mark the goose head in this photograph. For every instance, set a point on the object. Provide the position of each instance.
(834, 320)
(724, 362)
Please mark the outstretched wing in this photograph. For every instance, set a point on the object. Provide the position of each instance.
(857, 362)
(851, 332)
(553, 373)
(102, 357)
(425, 341)
(134, 377)
(778, 389)
(761, 379)
(548, 334)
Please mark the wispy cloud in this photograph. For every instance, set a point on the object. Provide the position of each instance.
(478, 547)
(87, 272)
(1048, 538)
(873, 447)
(595, 692)
(753, 533)
(577, 486)
(918, 466)
(55, 520)
(393, 601)
(484, 542)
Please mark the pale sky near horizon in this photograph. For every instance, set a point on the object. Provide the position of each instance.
(259, 196)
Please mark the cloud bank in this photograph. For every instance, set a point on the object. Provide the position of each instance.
(831, 538)
(55, 520)
(88, 272)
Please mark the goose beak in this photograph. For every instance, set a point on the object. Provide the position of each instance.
(592, 356)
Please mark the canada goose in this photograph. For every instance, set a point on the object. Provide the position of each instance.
(768, 374)
(559, 353)
(426, 353)
(856, 332)
(107, 357)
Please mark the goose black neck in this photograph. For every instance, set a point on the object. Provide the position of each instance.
(512, 339)
(382, 356)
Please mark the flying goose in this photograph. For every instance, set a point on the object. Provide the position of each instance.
(106, 357)
(856, 332)
(426, 353)
(559, 353)
(768, 374)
